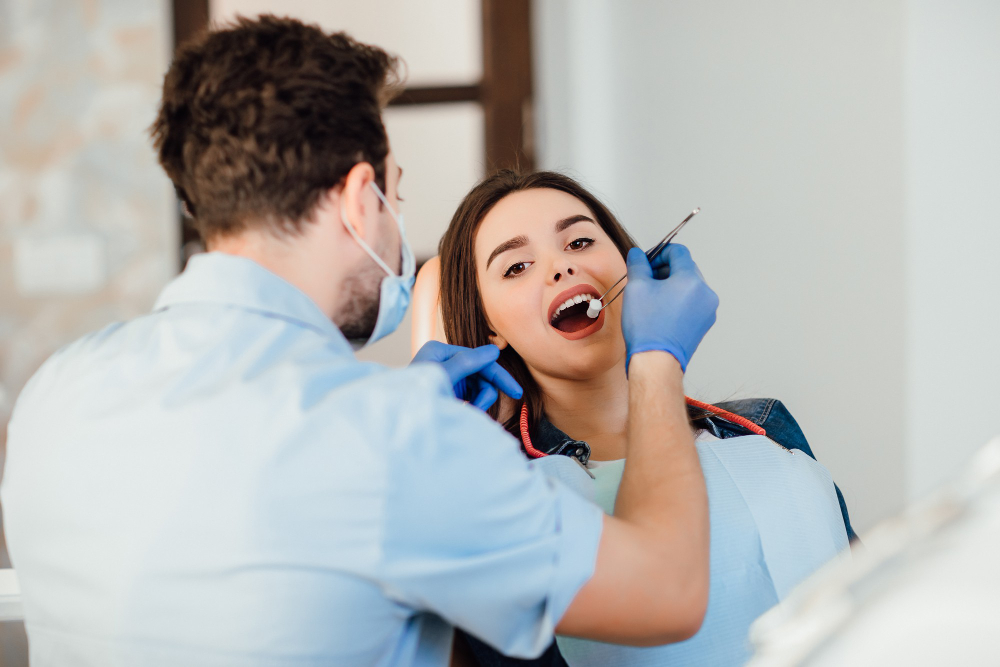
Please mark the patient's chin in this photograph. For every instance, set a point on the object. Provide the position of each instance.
(593, 362)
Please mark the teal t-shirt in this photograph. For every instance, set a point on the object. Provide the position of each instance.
(607, 479)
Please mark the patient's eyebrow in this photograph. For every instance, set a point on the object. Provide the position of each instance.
(516, 242)
(521, 241)
(565, 223)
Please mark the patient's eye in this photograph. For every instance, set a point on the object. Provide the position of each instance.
(580, 243)
(516, 269)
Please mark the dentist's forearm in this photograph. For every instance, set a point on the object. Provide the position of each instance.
(650, 582)
(662, 493)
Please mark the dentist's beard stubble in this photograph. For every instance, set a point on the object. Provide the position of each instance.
(360, 310)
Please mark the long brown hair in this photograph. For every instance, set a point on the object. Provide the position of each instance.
(461, 301)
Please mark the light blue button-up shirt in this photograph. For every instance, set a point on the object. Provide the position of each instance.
(221, 482)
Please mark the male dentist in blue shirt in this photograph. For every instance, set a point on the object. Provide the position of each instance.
(221, 482)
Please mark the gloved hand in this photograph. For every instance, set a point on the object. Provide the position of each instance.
(667, 305)
(475, 375)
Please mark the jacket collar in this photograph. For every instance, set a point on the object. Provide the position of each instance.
(550, 440)
(229, 280)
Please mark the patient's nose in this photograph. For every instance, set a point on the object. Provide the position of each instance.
(568, 271)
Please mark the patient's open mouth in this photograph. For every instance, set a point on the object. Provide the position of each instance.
(571, 316)
(568, 312)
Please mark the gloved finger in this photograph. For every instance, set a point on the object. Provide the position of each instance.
(660, 259)
(470, 361)
(638, 265)
(660, 264)
(462, 389)
(678, 259)
(435, 350)
(487, 396)
(498, 376)
(672, 252)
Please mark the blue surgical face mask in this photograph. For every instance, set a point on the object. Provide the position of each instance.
(395, 291)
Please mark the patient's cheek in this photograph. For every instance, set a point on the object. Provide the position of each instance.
(509, 313)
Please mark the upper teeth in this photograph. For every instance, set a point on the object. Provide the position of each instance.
(579, 298)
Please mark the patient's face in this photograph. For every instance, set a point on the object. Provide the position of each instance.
(551, 250)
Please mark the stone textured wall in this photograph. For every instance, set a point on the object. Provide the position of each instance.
(87, 219)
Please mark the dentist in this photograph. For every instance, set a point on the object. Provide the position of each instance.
(221, 482)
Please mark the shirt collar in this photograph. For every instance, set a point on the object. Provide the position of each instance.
(230, 280)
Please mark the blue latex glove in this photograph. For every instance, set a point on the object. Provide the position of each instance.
(667, 305)
(474, 372)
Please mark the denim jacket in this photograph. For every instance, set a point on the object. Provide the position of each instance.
(768, 413)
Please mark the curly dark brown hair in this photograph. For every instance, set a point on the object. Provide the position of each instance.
(261, 117)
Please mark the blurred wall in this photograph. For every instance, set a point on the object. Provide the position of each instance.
(952, 121)
(87, 219)
(845, 157)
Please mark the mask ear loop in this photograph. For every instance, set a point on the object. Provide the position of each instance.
(361, 242)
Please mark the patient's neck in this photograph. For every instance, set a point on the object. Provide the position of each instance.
(593, 410)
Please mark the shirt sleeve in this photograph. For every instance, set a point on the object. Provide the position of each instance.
(476, 535)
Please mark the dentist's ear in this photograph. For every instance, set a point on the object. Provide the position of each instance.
(355, 195)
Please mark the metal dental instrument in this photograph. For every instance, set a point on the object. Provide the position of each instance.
(597, 305)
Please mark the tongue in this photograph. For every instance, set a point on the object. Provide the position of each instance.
(574, 323)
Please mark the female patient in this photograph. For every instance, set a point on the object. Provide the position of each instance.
(521, 259)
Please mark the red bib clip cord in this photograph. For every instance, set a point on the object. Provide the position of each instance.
(717, 411)
(727, 415)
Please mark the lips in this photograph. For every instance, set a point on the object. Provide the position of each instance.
(582, 289)
(567, 312)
